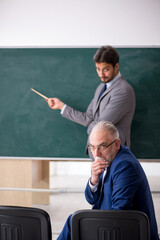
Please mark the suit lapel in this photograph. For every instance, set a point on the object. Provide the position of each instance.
(97, 101)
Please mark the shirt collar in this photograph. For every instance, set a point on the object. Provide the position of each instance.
(113, 80)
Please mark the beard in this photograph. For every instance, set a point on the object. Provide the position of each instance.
(105, 79)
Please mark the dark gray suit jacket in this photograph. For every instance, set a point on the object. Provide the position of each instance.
(116, 105)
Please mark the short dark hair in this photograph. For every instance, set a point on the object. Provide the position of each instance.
(106, 54)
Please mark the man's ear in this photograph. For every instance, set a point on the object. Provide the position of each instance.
(118, 143)
(116, 67)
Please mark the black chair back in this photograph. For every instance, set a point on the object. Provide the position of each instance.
(109, 225)
(24, 223)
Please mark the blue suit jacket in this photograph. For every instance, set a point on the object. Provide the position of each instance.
(125, 187)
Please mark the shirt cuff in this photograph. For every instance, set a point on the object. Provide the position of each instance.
(63, 108)
(93, 187)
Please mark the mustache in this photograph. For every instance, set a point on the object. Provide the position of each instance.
(104, 79)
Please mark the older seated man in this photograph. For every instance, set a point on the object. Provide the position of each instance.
(117, 179)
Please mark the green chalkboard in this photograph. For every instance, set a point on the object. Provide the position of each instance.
(29, 128)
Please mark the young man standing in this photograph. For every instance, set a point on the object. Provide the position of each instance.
(114, 98)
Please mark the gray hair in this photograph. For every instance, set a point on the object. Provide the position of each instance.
(107, 126)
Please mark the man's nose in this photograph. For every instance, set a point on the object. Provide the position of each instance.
(97, 152)
(101, 73)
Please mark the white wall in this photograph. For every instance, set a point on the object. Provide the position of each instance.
(77, 168)
(76, 23)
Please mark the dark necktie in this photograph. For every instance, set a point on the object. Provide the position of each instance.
(103, 90)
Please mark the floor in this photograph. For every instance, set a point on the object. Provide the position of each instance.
(70, 198)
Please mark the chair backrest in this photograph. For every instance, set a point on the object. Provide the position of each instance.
(24, 223)
(109, 225)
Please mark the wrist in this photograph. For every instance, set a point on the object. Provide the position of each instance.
(61, 105)
(93, 181)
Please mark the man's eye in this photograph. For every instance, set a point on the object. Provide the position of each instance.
(92, 147)
(102, 146)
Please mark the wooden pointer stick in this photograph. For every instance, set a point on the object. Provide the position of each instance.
(39, 94)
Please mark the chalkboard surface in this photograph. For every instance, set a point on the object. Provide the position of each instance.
(29, 128)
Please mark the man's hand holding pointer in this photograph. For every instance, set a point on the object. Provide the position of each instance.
(55, 103)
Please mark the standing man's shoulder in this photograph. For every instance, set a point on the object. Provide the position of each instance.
(121, 86)
(123, 83)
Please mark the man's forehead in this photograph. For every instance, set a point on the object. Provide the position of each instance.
(99, 136)
(102, 64)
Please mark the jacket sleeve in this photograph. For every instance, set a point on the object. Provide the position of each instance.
(93, 197)
(83, 118)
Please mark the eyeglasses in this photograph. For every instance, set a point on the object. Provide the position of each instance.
(101, 147)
